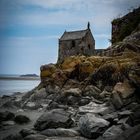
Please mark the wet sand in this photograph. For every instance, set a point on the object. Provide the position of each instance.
(12, 129)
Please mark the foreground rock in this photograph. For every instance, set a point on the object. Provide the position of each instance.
(111, 133)
(54, 119)
(36, 137)
(130, 134)
(21, 119)
(121, 93)
(13, 137)
(60, 132)
(6, 116)
(92, 126)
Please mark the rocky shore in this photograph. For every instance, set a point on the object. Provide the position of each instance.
(82, 98)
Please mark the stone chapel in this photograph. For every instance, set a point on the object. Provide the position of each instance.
(73, 43)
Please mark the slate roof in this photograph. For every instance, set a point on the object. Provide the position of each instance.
(73, 35)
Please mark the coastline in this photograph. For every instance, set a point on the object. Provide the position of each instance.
(19, 78)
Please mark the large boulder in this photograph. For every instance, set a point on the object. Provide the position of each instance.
(124, 89)
(92, 126)
(121, 93)
(54, 119)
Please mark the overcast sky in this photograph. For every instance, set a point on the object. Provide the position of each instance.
(29, 29)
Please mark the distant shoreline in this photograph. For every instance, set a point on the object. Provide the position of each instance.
(18, 78)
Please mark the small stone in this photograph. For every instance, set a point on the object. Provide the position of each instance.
(21, 119)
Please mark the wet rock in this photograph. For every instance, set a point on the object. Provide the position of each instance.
(92, 126)
(111, 132)
(33, 105)
(35, 137)
(92, 108)
(84, 101)
(60, 132)
(52, 89)
(72, 91)
(116, 100)
(38, 94)
(105, 94)
(134, 118)
(25, 132)
(54, 119)
(73, 100)
(111, 117)
(91, 90)
(130, 134)
(5, 123)
(21, 119)
(124, 114)
(55, 105)
(13, 137)
(6, 115)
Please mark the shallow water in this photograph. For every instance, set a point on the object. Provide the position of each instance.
(8, 86)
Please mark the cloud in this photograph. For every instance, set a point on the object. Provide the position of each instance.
(104, 36)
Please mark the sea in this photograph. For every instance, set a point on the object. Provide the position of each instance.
(10, 84)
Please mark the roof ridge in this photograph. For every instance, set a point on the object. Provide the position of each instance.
(76, 31)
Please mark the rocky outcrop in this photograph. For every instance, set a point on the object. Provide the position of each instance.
(124, 26)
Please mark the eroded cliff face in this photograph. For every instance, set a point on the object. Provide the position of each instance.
(124, 26)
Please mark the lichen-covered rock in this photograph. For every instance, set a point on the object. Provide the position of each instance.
(124, 89)
(47, 70)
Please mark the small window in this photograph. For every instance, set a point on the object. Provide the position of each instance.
(73, 44)
(89, 46)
